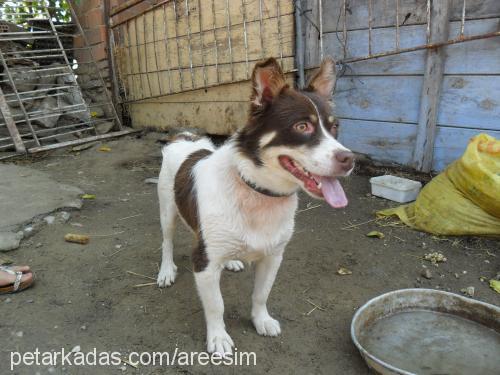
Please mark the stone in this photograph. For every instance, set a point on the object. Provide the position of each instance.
(153, 180)
(61, 138)
(426, 273)
(49, 219)
(63, 216)
(469, 291)
(26, 194)
(10, 241)
(48, 116)
(26, 78)
(104, 127)
(96, 110)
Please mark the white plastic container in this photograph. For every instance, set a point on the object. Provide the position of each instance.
(395, 188)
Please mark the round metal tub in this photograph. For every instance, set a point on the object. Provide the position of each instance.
(425, 331)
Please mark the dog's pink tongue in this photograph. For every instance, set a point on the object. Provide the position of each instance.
(333, 192)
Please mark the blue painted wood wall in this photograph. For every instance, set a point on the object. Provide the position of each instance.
(377, 101)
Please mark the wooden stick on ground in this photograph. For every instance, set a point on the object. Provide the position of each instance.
(138, 274)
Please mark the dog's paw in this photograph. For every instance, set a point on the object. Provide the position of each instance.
(220, 342)
(267, 326)
(166, 276)
(234, 265)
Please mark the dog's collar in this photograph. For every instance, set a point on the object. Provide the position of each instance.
(263, 191)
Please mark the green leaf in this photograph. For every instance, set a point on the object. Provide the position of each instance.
(495, 285)
(375, 234)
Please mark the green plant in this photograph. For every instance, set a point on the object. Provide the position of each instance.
(19, 12)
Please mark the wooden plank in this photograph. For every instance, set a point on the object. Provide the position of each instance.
(121, 16)
(11, 125)
(215, 118)
(311, 40)
(389, 142)
(452, 142)
(477, 57)
(431, 88)
(411, 12)
(393, 99)
(466, 101)
(470, 101)
(237, 92)
(82, 140)
(216, 110)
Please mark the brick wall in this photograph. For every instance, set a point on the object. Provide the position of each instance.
(91, 16)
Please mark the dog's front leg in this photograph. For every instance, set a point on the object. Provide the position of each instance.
(265, 273)
(208, 285)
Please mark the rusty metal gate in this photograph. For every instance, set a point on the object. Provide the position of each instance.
(41, 101)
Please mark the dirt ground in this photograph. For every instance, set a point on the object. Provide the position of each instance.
(84, 294)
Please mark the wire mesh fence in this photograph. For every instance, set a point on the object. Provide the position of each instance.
(184, 45)
(371, 15)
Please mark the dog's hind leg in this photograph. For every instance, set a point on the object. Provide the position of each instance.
(168, 213)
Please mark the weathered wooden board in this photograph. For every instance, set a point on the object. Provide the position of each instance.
(410, 12)
(393, 142)
(470, 101)
(215, 118)
(383, 141)
(431, 88)
(466, 101)
(379, 98)
(478, 57)
(216, 110)
(451, 143)
(310, 11)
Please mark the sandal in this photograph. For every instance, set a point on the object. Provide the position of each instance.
(17, 285)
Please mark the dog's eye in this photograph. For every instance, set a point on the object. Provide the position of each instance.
(303, 127)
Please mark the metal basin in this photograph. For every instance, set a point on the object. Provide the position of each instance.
(424, 331)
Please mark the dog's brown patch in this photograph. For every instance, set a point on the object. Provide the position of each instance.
(199, 256)
(185, 199)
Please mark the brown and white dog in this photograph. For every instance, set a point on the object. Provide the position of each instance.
(240, 199)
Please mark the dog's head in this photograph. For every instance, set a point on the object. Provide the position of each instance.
(293, 133)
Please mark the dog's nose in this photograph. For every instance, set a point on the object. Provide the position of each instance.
(345, 159)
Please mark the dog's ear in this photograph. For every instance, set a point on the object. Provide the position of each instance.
(323, 81)
(267, 80)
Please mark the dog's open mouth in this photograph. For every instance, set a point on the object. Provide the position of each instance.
(321, 186)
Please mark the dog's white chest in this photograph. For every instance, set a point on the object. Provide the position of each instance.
(266, 223)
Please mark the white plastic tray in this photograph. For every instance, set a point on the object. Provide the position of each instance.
(395, 188)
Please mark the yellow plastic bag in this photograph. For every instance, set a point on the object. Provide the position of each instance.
(462, 200)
